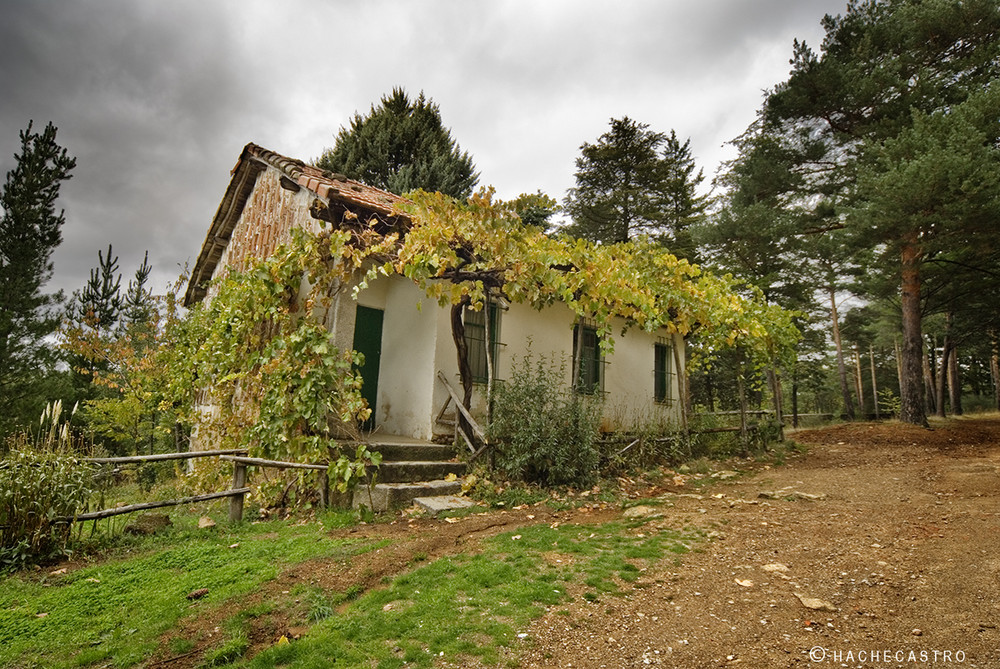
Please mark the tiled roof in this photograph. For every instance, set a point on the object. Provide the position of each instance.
(334, 188)
(328, 185)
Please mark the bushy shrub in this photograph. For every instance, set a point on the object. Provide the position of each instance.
(40, 480)
(36, 487)
(546, 433)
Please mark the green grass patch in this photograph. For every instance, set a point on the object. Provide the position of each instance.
(473, 606)
(114, 612)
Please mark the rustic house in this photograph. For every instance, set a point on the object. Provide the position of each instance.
(406, 338)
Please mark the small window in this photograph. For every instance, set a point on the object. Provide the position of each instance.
(587, 358)
(662, 381)
(475, 339)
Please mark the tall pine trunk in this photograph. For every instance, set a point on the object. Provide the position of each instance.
(871, 359)
(942, 379)
(899, 364)
(995, 366)
(955, 382)
(912, 393)
(795, 397)
(954, 375)
(841, 367)
(930, 376)
(859, 382)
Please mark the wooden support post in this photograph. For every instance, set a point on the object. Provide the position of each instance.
(744, 437)
(236, 502)
(682, 390)
(324, 489)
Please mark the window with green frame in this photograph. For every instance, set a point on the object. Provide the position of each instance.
(662, 366)
(587, 359)
(475, 339)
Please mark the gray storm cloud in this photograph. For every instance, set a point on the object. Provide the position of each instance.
(156, 99)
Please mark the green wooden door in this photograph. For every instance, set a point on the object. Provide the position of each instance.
(368, 342)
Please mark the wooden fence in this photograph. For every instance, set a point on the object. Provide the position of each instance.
(236, 493)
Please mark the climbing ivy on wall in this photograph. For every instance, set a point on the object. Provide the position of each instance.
(256, 370)
(267, 375)
(458, 252)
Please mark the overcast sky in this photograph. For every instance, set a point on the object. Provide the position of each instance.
(156, 99)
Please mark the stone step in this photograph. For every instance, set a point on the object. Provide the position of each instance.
(392, 451)
(385, 496)
(439, 503)
(415, 471)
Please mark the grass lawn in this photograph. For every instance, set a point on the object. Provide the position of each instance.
(443, 611)
(467, 606)
(114, 612)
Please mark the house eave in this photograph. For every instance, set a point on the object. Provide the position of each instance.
(336, 192)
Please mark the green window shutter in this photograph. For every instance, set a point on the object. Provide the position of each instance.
(475, 339)
(587, 358)
(662, 372)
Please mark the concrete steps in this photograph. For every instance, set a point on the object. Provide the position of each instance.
(385, 496)
(410, 468)
(414, 471)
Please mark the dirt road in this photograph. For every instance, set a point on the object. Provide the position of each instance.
(878, 548)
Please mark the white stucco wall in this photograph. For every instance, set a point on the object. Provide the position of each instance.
(628, 370)
(629, 381)
(406, 377)
(417, 343)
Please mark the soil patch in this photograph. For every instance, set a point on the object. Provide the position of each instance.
(896, 536)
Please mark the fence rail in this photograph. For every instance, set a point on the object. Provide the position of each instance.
(164, 456)
(119, 510)
(236, 494)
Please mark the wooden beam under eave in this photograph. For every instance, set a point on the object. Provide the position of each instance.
(288, 184)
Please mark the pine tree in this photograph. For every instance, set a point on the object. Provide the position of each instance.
(30, 230)
(684, 206)
(99, 304)
(634, 182)
(137, 305)
(400, 146)
(880, 127)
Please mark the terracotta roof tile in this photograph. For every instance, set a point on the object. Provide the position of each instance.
(329, 185)
(335, 188)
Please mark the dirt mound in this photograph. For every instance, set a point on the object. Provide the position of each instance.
(941, 434)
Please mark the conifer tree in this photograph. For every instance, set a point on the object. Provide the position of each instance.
(30, 229)
(400, 146)
(635, 182)
(885, 135)
(99, 304)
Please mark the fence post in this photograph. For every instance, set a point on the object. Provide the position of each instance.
(324, 488)
(236, 501)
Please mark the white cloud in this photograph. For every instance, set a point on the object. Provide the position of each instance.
(156, 99)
